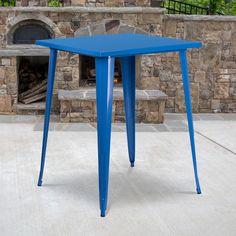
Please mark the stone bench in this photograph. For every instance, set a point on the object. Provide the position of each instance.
(80, 105)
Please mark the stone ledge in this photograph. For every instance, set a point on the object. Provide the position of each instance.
(33, 106)
(37, 108)
(214, 18)
(80, 106)
(90, 94)
(85, 9)
(24, 51)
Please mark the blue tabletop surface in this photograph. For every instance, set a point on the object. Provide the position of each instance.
(118, 44)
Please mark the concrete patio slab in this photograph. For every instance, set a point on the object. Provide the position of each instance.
(221, 132)
(157, 197)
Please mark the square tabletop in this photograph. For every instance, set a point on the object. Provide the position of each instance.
(118, 45)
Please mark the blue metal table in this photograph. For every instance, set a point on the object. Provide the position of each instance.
(105, 48)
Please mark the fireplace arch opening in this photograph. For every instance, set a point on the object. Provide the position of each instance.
(28, 31)
(31, 68)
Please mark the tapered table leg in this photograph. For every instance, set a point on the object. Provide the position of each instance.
(104, 94)
(184, 67)
(51, 74)
(128, 78)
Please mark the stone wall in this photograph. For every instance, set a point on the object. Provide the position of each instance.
(97, 3)
(7, 83)
(212, 68)
(64, 22)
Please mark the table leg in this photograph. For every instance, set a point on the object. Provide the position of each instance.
(128, 78)
(104, 94)
(184, 67)
(51, 74)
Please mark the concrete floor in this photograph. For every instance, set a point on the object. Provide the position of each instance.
(157, 197)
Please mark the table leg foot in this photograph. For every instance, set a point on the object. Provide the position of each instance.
(199, 190)
(103, 213)
(128, 77)
(40, 182)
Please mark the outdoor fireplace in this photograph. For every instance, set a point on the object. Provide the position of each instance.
(31, 69)
(24, 65)
(88, 73)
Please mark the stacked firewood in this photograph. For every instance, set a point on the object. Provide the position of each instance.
(32, 82)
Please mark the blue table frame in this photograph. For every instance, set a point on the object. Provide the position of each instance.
(105, 48)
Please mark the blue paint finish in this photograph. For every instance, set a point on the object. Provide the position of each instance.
(118, 44)
(105, 48)
(128, 78)
(51, 75)
(184, 67)
(104, 94)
